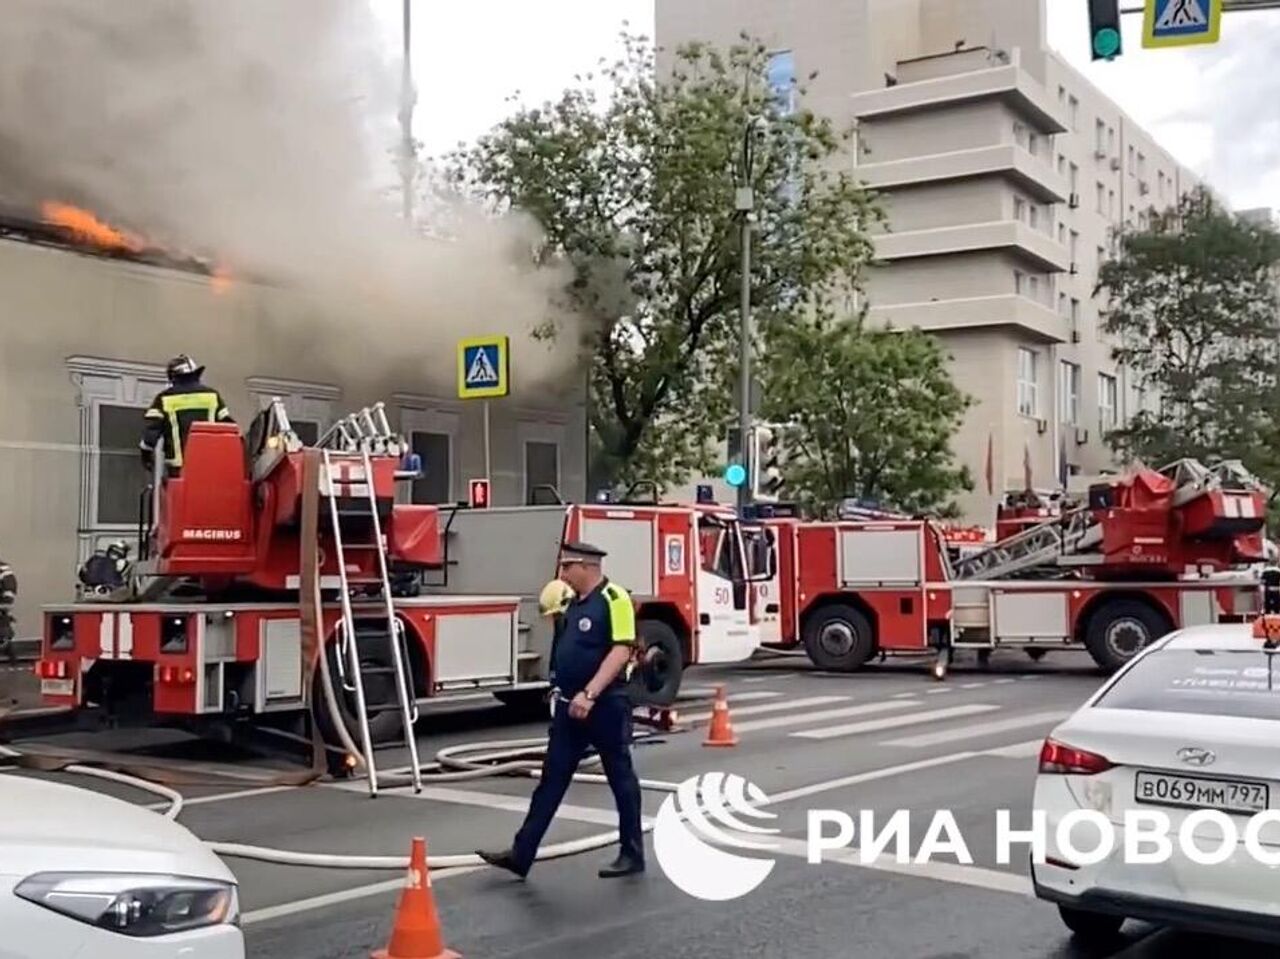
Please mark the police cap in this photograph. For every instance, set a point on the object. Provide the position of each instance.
(577, 552)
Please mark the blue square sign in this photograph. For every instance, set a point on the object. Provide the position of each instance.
(483, 367)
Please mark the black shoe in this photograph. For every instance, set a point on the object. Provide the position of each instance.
(502, 860)
(622, 866)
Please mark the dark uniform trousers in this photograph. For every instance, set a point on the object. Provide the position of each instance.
(607, 728)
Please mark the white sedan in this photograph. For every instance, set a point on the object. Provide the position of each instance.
(1186, 735)
(85, 875)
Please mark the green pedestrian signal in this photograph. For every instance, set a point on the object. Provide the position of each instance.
(1104, 29)
(735, 475)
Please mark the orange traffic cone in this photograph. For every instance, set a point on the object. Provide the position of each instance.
(416, 933)
(720, 732)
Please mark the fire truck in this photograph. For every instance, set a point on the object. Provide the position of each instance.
(262, 554)
(1148, 553)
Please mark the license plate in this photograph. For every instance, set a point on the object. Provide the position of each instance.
(58, 687)
(1197, 792)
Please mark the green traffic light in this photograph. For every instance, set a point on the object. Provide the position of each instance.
(1106, 42)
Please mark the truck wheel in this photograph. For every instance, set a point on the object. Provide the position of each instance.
(839, 638)
(530, 703)
(656, 679)
(1120, 630)
(1091, 928)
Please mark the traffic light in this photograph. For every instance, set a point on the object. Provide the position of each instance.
(735, 474)
(479, 490)
(1104, 29)
(768, 459)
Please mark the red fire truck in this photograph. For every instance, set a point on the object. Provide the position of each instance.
(262, 552)
(1150, 552)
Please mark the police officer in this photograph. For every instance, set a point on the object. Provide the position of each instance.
(591, 709)
(169, 417)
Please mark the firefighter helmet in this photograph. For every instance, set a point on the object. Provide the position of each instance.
(554, 598)
(183, 365)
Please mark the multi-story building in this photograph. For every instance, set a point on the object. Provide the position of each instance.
(1003, 172)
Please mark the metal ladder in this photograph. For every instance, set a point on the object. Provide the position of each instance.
(1040, 545)
(353, 674)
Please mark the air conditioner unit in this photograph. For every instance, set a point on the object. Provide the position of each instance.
(1075, 268)
(1082, 436)
(1041, 425)
(1115, 163)
(1099, 154)
(1144, 187)
(1075, 335)
(1074, 200)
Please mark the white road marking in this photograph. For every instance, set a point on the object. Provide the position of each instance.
(951, 872)
(771, 707)
(489, 800)
(345, 895)
(939, 691)
(1029, 678)
(1002, 682)
(974, 730)
(1024, 750)
(894, 722)
(757, 679)
(972, 685)
(902, 696)
(820, 715)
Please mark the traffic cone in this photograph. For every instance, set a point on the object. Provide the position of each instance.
(416, 933)
(720, 733)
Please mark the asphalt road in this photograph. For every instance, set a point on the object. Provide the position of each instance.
(884, 739)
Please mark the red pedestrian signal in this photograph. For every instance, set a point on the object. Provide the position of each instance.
(479, 494)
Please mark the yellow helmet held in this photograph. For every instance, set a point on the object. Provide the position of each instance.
(554, 598)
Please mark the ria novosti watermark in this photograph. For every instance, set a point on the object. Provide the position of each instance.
(707, 815)
(1082, 837)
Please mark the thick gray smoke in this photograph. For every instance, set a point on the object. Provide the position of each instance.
(259, 132)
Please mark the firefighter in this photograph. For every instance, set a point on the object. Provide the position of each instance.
(8, 596)
(590, 709)
(169, 417)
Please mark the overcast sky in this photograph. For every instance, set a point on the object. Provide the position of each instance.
(1216, 108)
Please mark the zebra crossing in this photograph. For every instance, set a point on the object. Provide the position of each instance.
(902, 720)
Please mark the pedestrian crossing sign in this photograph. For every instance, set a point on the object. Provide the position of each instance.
(1180, 23)
(484, 367)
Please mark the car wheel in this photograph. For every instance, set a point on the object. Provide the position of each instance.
(1091, 927)
(1119, 630)
(839, 638)
(655, 681)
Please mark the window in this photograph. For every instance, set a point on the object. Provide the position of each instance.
(1132, 213)
(1033, 287)
(781, 77)
(1033, 216)
(1142, 166)
(1073, 111)
(1062, 305)
(1019, 208)
(1132, 164)
(1062, 165)
(1111, 141)
(1062, 94)
(1106, 402)
(1102, 199)
(1216, 682)
(1111, 203)
(1028, 385)
(1099, 136)
(1074, 175)
(1074, 246)
(436, 453)
(1070, 411)
(1019, 283)
(1102, 256)
(121, 477)
(1062, 233)
(1075, 313)
(541, 469)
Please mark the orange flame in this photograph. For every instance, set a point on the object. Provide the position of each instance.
(221, 278)
(87, 228)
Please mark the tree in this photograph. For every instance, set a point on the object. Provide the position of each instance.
(1192, 304)
(871, 415)
(637, 196)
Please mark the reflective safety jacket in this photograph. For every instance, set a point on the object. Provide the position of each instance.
(171, 413)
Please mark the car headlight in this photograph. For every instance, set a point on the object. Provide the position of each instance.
(134, 905)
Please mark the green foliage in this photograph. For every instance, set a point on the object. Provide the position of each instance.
(637, 195)
(872, 414)
(1192, 304)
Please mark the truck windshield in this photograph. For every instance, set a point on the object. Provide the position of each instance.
(719, 547)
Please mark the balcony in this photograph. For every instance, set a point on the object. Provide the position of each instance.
(1004, 159)
(1007, 310)
(1036, 248)
(1009, 83)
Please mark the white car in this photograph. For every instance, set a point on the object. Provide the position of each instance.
(1191, 723)
(84, 875)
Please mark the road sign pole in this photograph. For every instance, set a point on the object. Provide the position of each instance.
(488, 448)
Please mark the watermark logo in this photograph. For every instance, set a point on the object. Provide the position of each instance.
(706, 812)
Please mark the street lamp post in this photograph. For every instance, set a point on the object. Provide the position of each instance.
(744, 202)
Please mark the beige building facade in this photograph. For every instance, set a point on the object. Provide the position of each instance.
(85, 342)
(1003, 172)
